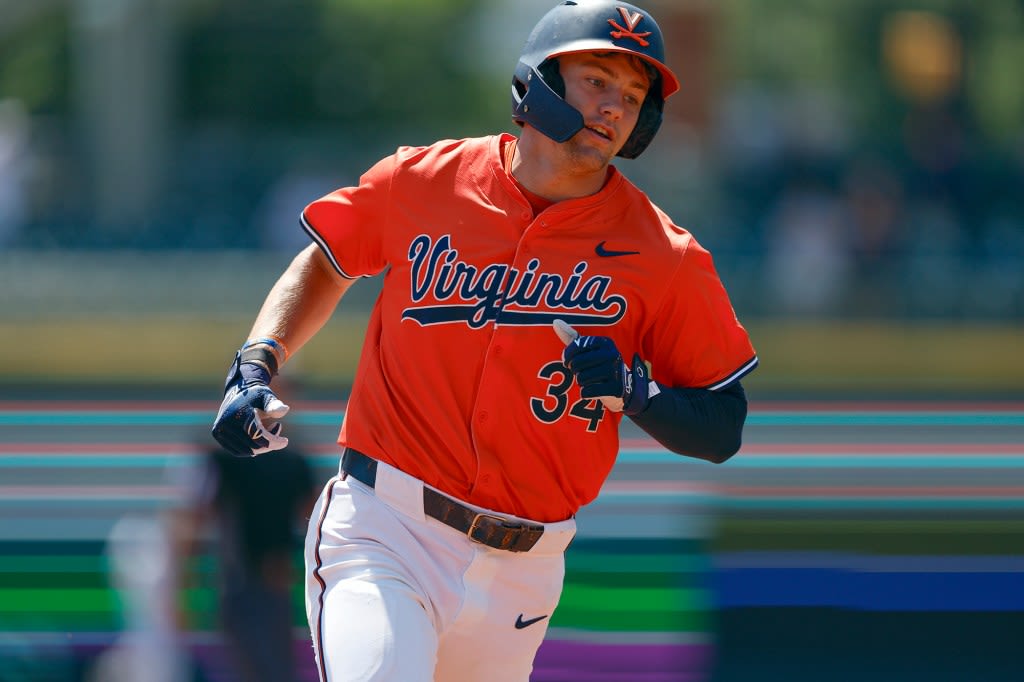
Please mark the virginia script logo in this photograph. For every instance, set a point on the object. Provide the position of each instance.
(461, 292)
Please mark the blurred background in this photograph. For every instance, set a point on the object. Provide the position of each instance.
(855, 166)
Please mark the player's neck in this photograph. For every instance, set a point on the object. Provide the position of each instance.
(541, 166)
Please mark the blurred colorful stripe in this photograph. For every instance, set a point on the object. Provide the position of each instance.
(863, 506)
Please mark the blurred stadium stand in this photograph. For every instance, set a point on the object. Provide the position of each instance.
(856, 160)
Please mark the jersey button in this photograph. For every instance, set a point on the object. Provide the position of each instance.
(485, 479)
(482, 417)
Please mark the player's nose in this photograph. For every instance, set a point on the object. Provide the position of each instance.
(612, 108)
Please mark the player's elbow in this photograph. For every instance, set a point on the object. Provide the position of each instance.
(716, 450)
(721, 450)
(724, 451)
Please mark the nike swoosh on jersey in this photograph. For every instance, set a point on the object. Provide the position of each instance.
(606, 253)
(520, 623)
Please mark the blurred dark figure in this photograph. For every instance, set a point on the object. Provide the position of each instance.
(258, 508)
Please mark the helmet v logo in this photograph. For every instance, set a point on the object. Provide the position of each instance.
(632, 20)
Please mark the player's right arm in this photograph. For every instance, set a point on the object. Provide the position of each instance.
(301, 301)
(298, 305)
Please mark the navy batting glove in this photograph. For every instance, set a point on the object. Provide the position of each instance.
(600, 371)
(242, 425)
(637, 394)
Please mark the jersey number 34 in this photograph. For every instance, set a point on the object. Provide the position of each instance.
(555, 403)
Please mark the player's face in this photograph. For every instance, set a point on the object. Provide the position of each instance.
(608, 89)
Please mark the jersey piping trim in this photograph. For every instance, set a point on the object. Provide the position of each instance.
(745, 369)
(315, 236)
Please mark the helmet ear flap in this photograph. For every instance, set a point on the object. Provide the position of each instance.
(537, 103)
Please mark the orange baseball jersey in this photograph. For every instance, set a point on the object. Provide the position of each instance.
(460, 382)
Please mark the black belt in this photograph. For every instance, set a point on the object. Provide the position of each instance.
(487, 529)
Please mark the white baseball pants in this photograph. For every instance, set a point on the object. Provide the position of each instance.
(393, 595)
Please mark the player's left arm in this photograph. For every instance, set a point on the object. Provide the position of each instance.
(696, 422)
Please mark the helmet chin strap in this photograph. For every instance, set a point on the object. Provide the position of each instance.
(542, 108)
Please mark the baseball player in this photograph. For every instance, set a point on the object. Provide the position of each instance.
(532, 297)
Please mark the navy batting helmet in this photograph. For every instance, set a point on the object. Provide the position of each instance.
(588, 26)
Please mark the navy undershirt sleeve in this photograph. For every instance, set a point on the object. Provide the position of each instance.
(697, 422)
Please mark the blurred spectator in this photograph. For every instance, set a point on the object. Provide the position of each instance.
(14, 139)
(258, 508)
(874, 198)
(935, 274)
(142, 572)
(808, 250)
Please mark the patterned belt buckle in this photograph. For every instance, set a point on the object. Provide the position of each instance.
(512, 536)
(481, 533)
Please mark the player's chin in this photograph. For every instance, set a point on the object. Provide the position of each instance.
(591, 157)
